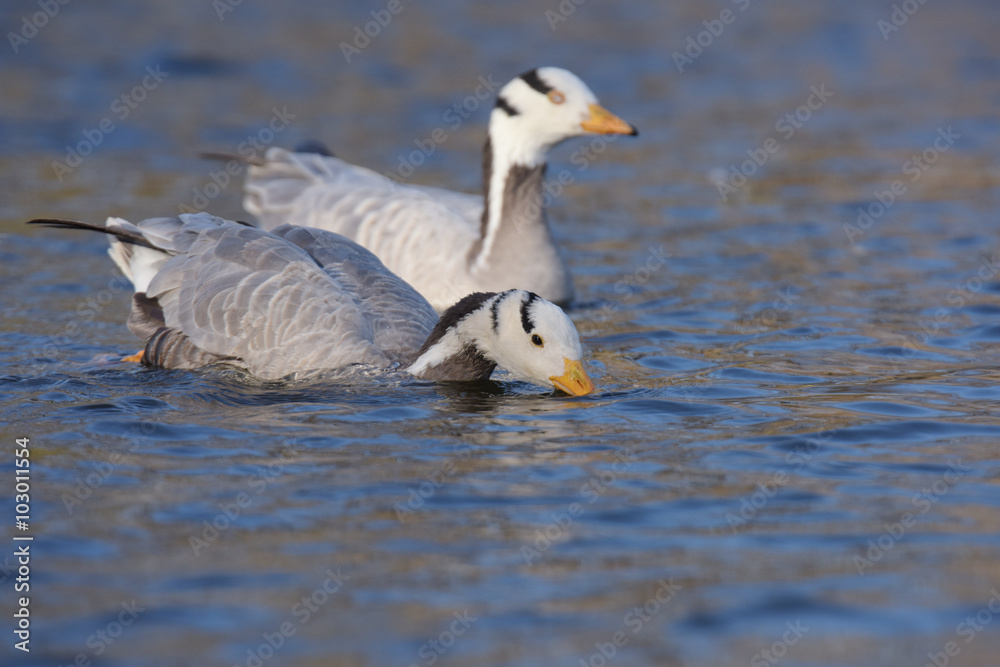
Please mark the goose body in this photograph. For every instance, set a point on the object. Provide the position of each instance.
(447, 244)
(297, 300)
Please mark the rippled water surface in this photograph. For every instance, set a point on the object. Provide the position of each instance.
(792, 458)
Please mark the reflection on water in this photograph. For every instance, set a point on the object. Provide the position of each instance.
(792, 455)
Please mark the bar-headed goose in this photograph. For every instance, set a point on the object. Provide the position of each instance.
(296, 299)
(447, 244)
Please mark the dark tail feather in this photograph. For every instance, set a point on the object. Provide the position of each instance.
(226, 157)
(124, 235)
(314, 146)
(308, 146)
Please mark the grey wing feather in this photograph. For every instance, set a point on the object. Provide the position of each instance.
(423, 234)
(241, 292)
(401, 319)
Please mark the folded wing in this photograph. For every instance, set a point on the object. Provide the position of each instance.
(282, 303)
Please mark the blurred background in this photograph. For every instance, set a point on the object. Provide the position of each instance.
(787, 286)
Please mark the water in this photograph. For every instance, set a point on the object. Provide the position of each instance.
(792, 456)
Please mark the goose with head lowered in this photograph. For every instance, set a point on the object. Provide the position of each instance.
(447, 244)
(298, 300)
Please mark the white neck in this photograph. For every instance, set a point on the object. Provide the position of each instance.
(509, 149)
(472, 332)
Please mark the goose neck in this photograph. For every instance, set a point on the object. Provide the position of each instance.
(513, 187)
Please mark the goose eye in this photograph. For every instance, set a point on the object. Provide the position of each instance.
(536, 340)
(556, 97)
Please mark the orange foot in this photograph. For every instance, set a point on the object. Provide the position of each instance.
(137, 357)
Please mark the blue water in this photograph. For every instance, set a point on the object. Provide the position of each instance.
(792, 455)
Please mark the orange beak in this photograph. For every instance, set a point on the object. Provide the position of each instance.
(574, 381)
(602, 121)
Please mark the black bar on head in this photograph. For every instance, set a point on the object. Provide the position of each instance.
(505, 106)
(526, 322)
(532, 79)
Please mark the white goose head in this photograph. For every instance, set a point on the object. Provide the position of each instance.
(522, 333)
(543, 107)
(533, 113)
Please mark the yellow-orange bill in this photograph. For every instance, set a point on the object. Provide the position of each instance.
(574, 381)
(602, 121)
(137, 357)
